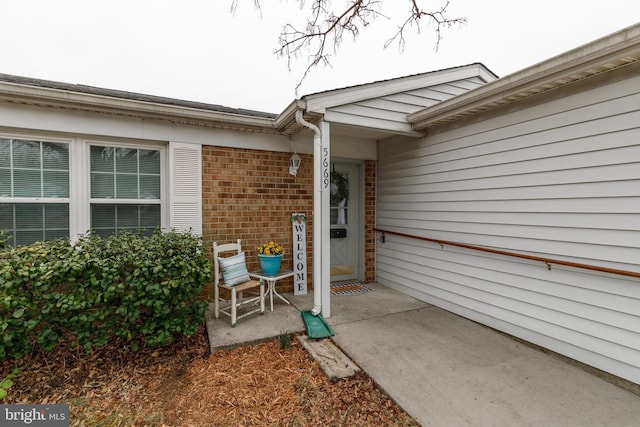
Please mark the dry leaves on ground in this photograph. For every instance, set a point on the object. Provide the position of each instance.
(183, 385)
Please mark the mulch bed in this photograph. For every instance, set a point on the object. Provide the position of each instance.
(184, 385)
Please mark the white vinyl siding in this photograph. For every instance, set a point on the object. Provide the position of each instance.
(390, 112)
(558, 180)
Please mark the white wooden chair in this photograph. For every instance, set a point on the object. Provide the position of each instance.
(233, 268)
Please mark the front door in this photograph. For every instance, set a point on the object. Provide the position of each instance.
(345, 226)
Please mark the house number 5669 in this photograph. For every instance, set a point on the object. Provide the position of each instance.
(325, 168)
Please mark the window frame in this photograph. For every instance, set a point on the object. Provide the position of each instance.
(39, 201)
(80, 200)
(161, 148)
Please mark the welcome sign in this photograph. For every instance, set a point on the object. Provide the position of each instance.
(299, 227)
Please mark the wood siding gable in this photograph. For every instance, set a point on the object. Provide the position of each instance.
(389, 112)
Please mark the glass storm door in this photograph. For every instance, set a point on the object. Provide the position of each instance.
(345, 227)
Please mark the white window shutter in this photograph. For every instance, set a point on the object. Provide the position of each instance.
(185, 180)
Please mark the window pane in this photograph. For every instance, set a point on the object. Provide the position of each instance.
(34, 169)
(126, 186)
(102, 159)
(26, 177)
(55, 234)
(127, 160)
(5, 182)
(56, 221)
(127, 175)
(112, 219)
(27, 237)
(127, 216)
(149, 187)
(150, 216)
(27, 183)
(26, 154)
(56, 216)
(29, 216)
(31, 222)
(55, 156)
(104, 232)
(149, 161)
(6, 217)
(56, 184)
(136, 174)
(103, 216)
(5, 152)
(102, 186)
(103, 220)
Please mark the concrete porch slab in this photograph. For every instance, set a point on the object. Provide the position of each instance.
(445, 370)
(380, 301)
(252, 329)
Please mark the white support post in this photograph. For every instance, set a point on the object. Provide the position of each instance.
(325, 254)
(321, 215)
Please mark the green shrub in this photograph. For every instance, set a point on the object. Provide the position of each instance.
(7, 383)
(285, 340)
(142, 289)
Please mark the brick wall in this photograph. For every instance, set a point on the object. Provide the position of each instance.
(369, 220)
(249, 195)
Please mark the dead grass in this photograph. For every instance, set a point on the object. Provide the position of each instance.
(183, 385)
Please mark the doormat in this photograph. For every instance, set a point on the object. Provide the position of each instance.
(348, 288)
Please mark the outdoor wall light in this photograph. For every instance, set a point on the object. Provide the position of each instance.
(294, 164)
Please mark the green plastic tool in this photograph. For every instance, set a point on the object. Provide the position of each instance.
(316, 326)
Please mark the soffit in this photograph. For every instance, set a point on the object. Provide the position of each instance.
(601, 56)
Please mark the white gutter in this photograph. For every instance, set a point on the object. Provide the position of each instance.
(614, 51)
(317, 223)
(99, 103)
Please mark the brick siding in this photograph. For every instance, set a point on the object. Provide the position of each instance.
(369, 220)
(249, 195)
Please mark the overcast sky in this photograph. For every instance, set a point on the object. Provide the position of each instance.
(197, 50)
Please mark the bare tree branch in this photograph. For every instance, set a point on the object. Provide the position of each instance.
(234, 5)
(325, 29)
(417, 14)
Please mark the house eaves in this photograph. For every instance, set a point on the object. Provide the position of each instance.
(51, 94)
(612, 52)
(327, 103)
(321, 101)
(286, 121)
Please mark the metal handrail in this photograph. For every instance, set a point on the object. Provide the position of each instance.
(547, 261)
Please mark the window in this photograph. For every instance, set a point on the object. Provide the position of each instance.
(34, 190)
(52, 188)
(339, 198)
(125, 190)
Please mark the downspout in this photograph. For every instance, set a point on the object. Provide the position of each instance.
(317, 201)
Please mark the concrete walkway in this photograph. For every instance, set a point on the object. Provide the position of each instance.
(445, 370)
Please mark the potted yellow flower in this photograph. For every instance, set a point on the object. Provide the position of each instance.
(270, 255)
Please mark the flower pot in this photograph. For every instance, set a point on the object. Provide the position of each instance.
(270, 264)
